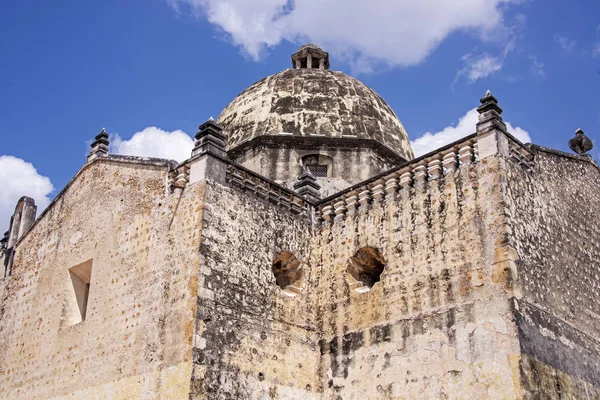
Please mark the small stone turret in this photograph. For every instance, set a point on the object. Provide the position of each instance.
(99, 146)
(307, 187)
(581, 144)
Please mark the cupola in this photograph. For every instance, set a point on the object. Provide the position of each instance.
(310, 56)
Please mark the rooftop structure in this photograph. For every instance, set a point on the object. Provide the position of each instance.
(283, 264)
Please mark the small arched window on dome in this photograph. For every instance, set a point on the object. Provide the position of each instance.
(320, 166)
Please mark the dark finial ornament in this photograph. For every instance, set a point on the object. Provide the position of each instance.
(210, 138)
(307, 186)
(489, 103)
(581, 144)
(490, 114)
(101, 138)
(99, 147)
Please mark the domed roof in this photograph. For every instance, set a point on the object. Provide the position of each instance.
(313, 102)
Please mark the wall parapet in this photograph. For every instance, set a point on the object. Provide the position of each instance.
(415, 173)
(253, 183)
(519, 153)
(245, 180)
(385, 186)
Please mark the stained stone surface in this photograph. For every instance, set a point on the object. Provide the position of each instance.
(554, 212)
(489, 290)
(313, 102)
(472, 273)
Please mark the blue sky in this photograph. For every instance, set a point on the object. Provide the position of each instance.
(70, 68)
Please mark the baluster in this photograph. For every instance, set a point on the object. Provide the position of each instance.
(339, 209)
(284, 201)
(181, 180)
(406, 179)
(378, 192)
(391, 186)
(434, 168)
(450, 162)
(364, 197)
(237, 179)
(351, 204)
(420, 174)
(273, 196)
(249, 185)
(465, 155)
(326, 212)
(261, 191)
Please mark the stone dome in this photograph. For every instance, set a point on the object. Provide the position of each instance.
(312, 101)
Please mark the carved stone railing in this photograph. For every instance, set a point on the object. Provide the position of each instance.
(414, 174)
(386, 187)
(255, 184)
(247, 181)
(519, 154)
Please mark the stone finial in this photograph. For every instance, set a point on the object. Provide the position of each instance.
(307, 186)
(490, 114)
(581, 144)
(99, 145)
(210, 138)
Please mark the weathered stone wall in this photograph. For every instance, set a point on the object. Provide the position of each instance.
(284, 165)
(489, 290)
(252, 340)
(136, 339)
(555, 222)
(439, 323)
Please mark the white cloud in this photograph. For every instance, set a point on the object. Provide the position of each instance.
(154, 142)
(537, 66)
(20, 178)
(395, 32)
(484, 65)
(466, 125)
(477, 67)
(567, 45)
